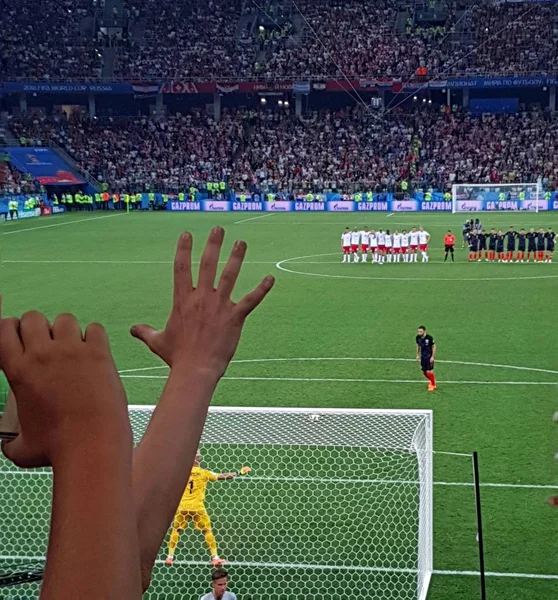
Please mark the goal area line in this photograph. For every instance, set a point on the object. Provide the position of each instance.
(305, 566)
(340, 480)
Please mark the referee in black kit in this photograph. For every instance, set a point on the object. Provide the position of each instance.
(426, 353)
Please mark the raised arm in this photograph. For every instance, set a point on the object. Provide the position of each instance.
(198, 342)
(73, 416)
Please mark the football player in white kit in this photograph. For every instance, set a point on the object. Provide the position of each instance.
(405, 246)
(424, 238)
(373, 246)
(389, 245)
(414, 244)
(364, 243)
(396, 246)
(346, 244)
(355, 242)
(381, 246)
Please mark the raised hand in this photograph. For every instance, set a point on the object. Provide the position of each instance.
(204, 326)
(198, 342)
(67, 388)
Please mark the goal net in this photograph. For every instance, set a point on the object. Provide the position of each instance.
(485, 197)
(338, 504)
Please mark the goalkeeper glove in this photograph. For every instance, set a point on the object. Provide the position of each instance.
(244, 471)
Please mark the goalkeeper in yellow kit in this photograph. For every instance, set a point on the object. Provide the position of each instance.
(192, 508)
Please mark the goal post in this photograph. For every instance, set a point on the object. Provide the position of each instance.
(338, 503)
(481, 197)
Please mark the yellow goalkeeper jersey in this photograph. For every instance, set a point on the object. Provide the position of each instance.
(194, 494)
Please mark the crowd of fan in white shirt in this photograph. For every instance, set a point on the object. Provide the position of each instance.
(385, 246)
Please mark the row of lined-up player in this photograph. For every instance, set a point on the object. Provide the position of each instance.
(512, 245)
(385, 246)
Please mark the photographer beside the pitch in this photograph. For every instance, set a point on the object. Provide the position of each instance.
(219, 582)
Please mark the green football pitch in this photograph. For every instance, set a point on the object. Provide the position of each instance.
(330, 335)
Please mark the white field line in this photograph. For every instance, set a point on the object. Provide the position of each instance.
(362, 358)
(350, 380)
(122, 262)
(410, 223)
(390, 215)
(293, 261)
(345, 481)
(195, 262)
(319, 567)
(254, 218)
(62, 224)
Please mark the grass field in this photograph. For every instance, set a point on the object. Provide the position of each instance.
(498, 370)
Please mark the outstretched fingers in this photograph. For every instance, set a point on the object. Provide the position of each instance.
(182, 268)
(255, 297)
(232, 269)
(210, 259)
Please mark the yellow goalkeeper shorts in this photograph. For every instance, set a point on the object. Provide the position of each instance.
(199, 518)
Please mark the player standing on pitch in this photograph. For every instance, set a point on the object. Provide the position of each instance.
(449, 245)
(550, 241)
(346, 245)
(426, 353)
(192, 508)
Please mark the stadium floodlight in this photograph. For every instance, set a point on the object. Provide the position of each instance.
(338, 503)
(480, 197)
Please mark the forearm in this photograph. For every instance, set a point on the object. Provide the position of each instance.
(164, 458)
(93, 547)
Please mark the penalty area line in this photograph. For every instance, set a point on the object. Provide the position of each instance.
(351, 380)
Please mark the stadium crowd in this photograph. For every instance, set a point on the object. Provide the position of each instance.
(350, 38)
(347, 150)
(187, 39)
(30, 50)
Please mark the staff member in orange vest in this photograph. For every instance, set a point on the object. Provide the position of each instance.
(449, 243)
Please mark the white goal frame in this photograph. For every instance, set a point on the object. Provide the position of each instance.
(364, 477)
(454, 188)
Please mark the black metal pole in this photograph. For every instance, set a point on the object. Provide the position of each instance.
(480, 541)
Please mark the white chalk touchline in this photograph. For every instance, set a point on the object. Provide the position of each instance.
(62, 224)
(306, 566)
(254, 218)
(351, 380)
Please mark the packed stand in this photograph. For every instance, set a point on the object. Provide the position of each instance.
(460, 148)
(13, 182)
(142, 154)
(347, 151)
(357, 39)
(187, 39)
(41, 40)
(512, 38)
(337, 151)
